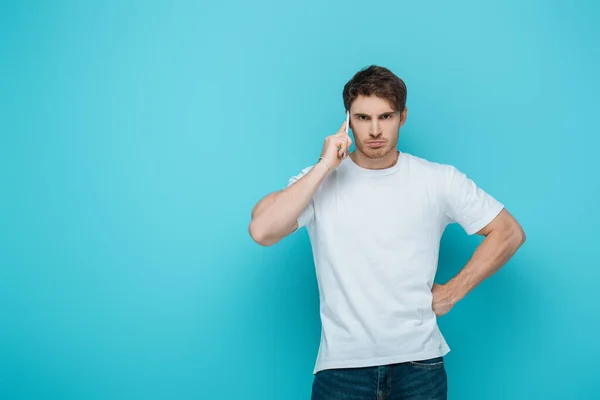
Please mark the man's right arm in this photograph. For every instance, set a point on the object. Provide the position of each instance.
(275, 216)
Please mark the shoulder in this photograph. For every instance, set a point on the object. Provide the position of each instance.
(428, 168)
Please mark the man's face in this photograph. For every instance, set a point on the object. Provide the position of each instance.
(375, 125)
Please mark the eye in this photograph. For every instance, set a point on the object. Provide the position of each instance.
(362, 117)
(387, 116)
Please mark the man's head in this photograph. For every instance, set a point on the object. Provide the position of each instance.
(376, 99)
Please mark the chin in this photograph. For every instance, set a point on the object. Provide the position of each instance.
(377, 153)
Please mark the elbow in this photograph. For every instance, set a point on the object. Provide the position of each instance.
(519, 235)
(258, 235)
(523, 236)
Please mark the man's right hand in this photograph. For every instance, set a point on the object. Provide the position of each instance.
(335, 146)
(276, 215)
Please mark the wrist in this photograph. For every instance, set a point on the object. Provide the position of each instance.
(324, 166)
(456, 291)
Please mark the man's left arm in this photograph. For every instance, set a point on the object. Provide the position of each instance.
(503, 237)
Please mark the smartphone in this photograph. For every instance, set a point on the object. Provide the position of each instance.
(347, 127)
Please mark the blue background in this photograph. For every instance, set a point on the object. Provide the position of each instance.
(137, 136)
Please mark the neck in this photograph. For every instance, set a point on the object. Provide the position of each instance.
(387, 161)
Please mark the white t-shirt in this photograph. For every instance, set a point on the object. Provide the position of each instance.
(375, 236)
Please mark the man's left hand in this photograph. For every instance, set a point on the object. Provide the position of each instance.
(443, 300)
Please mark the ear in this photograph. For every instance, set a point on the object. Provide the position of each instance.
(403, 116)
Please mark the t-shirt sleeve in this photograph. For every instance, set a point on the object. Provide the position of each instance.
(307, 216)
(466, 203)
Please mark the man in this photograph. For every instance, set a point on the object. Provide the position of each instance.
(375, 219)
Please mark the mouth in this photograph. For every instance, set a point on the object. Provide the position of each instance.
(375, 144)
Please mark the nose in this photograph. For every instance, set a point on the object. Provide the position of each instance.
(375, 128)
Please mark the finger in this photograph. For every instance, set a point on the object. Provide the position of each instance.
(337, 143)
(342, 128)
(342, 146)
(347, 143)
(349, 140)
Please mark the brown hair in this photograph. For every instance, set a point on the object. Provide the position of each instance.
(378, 81)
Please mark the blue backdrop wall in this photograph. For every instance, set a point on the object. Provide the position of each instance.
(135, 137)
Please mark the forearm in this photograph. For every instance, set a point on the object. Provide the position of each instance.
(493, 252)
(275, 215)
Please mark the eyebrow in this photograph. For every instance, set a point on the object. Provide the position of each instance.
(385, 113)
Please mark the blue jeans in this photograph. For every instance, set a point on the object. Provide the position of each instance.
(414, 380)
